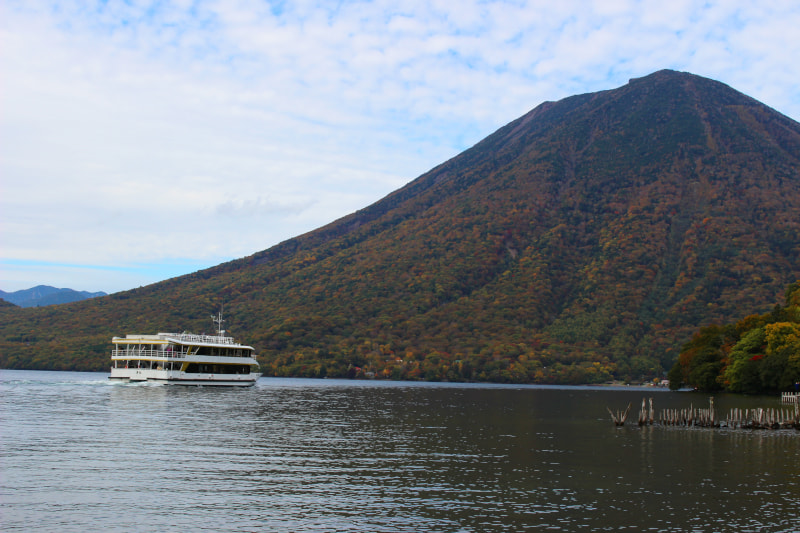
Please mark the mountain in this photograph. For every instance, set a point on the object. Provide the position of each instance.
(586, 240)
(46, 295)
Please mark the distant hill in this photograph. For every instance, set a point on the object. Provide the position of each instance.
(587, 240)
(45, 295)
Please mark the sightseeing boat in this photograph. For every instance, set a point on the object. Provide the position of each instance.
(184, 359)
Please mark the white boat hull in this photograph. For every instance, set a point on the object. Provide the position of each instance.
(175, 377)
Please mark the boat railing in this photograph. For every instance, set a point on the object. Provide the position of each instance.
(191, 337)
(146, 352)
(169, 353)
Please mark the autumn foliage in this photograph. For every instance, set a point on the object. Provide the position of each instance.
(758, 354)
(585, 241)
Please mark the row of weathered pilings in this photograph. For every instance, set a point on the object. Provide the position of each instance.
(763, 419)
(690, 417)
(759, 418)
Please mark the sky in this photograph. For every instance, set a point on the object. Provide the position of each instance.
(140, 141)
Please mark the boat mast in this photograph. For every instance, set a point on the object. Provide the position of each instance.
(218, 320)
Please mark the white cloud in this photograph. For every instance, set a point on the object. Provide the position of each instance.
(138, 133)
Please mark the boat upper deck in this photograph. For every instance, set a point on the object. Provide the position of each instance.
(215, 341)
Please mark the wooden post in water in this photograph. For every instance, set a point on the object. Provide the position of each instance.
(643, 414)
(619, 418)
(711, 414)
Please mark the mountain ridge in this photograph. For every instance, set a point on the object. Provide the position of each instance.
(585, 240)
(41, 295)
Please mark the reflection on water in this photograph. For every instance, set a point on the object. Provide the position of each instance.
(327, 455)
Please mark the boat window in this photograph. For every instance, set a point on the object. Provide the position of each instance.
(200, 368)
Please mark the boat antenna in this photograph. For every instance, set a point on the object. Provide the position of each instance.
(218, 320)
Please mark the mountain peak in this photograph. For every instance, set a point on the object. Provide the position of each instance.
(662, 74)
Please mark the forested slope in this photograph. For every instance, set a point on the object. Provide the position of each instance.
(588, 239)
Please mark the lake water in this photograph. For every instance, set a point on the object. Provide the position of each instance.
(81, 454)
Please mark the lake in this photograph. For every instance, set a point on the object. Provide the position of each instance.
(81, 454)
